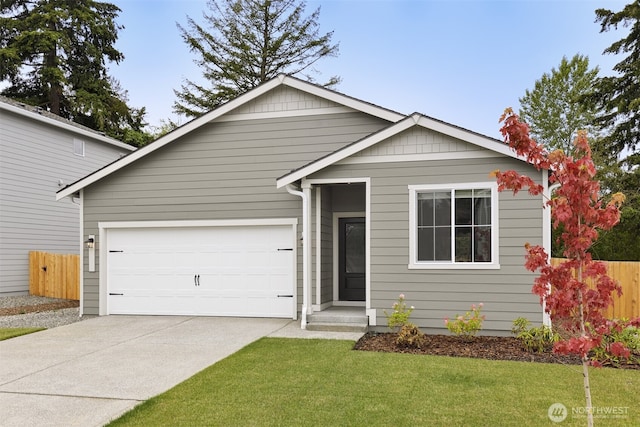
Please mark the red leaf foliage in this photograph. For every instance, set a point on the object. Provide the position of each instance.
(572, 304)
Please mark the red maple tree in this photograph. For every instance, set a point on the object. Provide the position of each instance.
(575, 308)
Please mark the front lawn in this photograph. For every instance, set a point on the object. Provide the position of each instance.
(289, 382)
(6, 333)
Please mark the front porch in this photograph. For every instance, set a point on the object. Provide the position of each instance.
(335, 292)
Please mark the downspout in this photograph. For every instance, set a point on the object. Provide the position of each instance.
(305, 249)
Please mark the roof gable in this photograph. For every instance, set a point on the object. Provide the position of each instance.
(284, 95)
(459, 140)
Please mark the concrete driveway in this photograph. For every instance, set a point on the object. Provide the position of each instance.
(90, 372)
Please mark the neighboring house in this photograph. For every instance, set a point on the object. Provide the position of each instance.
(293, 198)
(39, 154)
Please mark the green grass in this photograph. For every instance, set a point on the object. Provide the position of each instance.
(6, 333)
(287, 382)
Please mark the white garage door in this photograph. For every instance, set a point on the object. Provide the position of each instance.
(216, 271)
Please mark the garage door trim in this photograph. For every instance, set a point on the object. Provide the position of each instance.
(105, 226)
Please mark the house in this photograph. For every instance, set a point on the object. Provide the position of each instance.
(39, 154)
(292, 199)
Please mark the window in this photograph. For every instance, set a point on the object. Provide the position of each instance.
(78, 147)
(453, 226)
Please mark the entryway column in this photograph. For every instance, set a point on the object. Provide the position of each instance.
(307, 294)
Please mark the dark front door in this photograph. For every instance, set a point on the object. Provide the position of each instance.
(351, 259)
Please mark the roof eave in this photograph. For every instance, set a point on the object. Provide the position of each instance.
(402, 125)
(225, 108)
(68, 127)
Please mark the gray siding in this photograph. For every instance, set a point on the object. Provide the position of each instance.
(224, 170)
(436, 294)
(327, 245)
(33, 158)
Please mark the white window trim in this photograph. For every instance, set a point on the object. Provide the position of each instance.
(413, 229)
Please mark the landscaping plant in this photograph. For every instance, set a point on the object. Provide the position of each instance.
(621, 331)
(408, 334)
(468, 324)
(534, 339)
(574, 306)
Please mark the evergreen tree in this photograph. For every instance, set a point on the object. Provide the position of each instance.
(558, 107)
(54, 55)
(245, 43)
(619, 96)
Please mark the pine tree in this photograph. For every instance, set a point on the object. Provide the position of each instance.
(245, 43)
(620, 94)
(54, 55)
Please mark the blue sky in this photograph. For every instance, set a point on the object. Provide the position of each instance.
(461, 61)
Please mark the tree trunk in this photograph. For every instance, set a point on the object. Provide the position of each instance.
(587, 391)
(585, 359)
(55, 90)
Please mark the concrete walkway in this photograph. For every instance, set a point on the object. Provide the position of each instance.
(90, 372)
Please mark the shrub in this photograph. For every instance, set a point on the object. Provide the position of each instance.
(534, 339)
(622, 333)
(400, 314)
(468, 324)
(410, 336)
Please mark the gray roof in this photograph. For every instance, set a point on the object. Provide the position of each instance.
(54, 119)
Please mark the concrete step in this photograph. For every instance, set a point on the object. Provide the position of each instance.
(333, 317)
(337, 327)
(339, 319)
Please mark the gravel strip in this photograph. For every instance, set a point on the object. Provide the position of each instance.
(43, 319)
(24, 300)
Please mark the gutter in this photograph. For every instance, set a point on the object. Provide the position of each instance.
(305, 252)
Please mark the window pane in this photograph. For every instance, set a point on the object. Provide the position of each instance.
(463, 244)
(354, 248)
(425, 209)
(425, 244)
(482, 243)
(463, 210)
(482, 192)
(443, 244)
(472, 225)
(482, 210)
(442, 201)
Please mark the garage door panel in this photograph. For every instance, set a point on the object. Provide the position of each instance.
(218, 271)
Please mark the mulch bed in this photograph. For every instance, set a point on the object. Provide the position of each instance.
(481, 347)
(11, 311)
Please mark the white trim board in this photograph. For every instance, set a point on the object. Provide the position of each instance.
(199, 223)
(397, 158)
(415, 119)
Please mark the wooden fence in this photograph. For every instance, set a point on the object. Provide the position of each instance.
(54, 275)
(627, 274)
